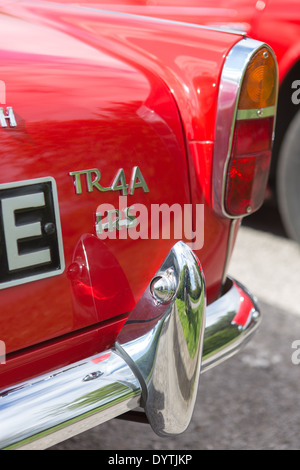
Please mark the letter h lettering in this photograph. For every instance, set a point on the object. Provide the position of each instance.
(9, 116)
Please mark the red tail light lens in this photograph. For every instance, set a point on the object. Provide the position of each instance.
(249, 162)
(248, 169)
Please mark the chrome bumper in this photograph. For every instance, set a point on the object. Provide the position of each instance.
(155, 363)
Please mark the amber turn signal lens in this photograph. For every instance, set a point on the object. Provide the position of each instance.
(259, 83)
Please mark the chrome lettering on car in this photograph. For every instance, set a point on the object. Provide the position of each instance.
(8, 118)
(92, 181)
(114, 219)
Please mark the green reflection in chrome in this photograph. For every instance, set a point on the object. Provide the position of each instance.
(219, 335)
(190, 305)
(191, 324)
(111, 392)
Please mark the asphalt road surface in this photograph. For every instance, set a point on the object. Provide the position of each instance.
(252, 401)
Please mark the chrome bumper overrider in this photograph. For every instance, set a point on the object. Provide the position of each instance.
(155, 363)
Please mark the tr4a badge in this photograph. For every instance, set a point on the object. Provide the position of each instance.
(92, 179)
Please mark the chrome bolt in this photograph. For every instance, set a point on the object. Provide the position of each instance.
(163, 287)
(255, 315)
(49, 228)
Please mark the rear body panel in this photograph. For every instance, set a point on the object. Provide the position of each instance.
(259, 19)
(72, 116)
(95, 97)
(235, 14)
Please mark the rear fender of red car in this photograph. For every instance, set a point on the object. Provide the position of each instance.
(97, 124)
(106, 120)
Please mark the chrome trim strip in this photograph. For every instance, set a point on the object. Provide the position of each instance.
(132, 16)
(256, 113)
(51, 408)
(229, 91)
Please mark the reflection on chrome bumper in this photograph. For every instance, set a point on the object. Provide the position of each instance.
(155, 363)
(230, 322)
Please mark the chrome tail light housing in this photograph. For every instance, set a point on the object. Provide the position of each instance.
(245, 123)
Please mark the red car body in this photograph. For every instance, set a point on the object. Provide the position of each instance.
(277, 23)
(98, 105)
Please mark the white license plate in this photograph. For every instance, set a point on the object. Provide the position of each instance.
(31, 240)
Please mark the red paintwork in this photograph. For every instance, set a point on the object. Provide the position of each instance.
(245, 308)
(57, 353)
(285, 18)
(275, 22)
(92, 89)
(260, 19)
(216, 12)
